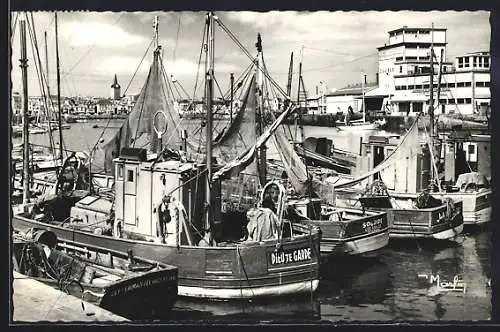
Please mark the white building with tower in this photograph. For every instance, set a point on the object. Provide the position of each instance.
(404, 74)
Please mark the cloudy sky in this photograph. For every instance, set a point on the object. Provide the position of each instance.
(337, 46)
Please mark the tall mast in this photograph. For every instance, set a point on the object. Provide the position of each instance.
(431, 100)
(261, 164)
(363, 92)
(59, 94)
(47, 65)
(155, 26)
(232, 97)
(439, 75)
(209, 100)
(24, 73)
(290, 75)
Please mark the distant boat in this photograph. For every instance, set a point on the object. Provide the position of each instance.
(357, 125)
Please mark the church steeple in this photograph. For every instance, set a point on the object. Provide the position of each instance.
(115, 89)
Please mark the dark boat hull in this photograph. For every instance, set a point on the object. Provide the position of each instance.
(435, 222)
(354, 237)
(135, 295)
(242, 271)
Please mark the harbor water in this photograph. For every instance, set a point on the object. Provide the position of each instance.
(404, 281)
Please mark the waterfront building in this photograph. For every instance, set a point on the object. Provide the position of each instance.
(465, 89)
(402, 85)
(404, 74)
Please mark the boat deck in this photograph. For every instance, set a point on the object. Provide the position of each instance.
(35, 301)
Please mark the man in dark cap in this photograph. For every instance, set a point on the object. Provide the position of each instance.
(163, 217)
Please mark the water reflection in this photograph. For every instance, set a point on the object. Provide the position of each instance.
(385, 287)
(290, 309)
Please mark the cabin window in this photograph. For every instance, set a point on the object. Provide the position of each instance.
(468, 100)
(451, 101)
(130, 175)
(474, 63)
(411, 87)
(400, 69)
(486, 84)
(460, 84)
(479, 84)
(468, 83)
(451, 85)
(486, 62)
(460, 62)
(120, 172)
(471, 149)
(426, 86)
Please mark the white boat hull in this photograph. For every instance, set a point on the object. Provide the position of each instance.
(449, 233)
(368, 244)
(248, 293)
(443, 235)
(361, 126)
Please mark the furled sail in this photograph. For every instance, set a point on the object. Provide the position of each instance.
(294, 167)
(409, 146)
(234, 167)
(138, 129)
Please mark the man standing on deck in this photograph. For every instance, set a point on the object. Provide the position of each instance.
(163, 218)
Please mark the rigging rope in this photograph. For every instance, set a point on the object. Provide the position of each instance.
(137, 69)
(40, 76)
(177, 35)
(238, 43)
(88, 51)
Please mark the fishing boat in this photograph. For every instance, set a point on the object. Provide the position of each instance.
(344, 231)
(360, 124)
(424, 217)
(474, 192)
(165, 207)
(128, 286)
(426, 214)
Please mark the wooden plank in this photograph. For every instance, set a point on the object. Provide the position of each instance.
(35, 301)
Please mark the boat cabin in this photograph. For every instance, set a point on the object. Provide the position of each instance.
(142, 184)
(466, 152)
(400, 176)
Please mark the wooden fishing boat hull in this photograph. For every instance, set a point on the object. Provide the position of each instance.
(426, 223)
(354, 237)
(134, 295)
(476, 205)
(152, 293)
(243, 271)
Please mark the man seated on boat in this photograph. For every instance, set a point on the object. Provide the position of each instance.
(425, 200)
(263, 224)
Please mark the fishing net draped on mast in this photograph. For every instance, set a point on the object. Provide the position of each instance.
(138, 129)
